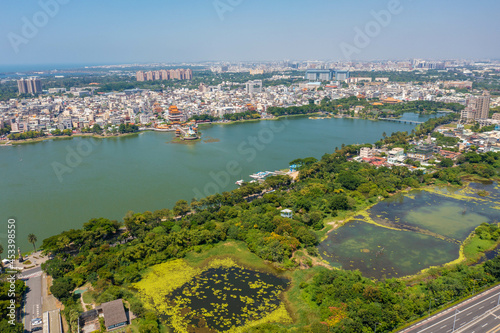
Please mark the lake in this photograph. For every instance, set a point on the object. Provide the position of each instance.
(57, 185)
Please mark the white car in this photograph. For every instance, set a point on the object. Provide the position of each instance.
(36, 321)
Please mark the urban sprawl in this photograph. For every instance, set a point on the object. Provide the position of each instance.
(77, 110)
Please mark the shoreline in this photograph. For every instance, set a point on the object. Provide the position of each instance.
(242, 121)
(65, 137)
(258, 119)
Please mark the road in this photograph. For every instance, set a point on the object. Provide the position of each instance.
(463, 317)
(489, 323)
(33, 300)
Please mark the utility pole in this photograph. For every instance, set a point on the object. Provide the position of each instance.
(454, 320)
(435, 300)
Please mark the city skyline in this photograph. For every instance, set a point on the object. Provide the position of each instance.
(222, 30)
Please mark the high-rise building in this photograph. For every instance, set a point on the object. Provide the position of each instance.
(150, 76)
(32, 86)
(483, 105)
(479, 105)
(169, 74)
(254, 86)
(22, 86)
(188, 74)
(326, 75)
(157, 75)
(319, 74)
(165, 75)
(140, 76)
(342, 75)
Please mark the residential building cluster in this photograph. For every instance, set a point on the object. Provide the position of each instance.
(82, 108)
(477, 108)
(165, 74)
(326, 75)
(32, 86)
(426, 151)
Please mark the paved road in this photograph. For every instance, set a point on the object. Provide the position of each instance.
(33, 300)
(489, 323)
(464, 316)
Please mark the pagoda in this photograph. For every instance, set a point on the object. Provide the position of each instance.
(174, 115)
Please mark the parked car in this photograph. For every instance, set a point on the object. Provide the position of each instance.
(36, 321)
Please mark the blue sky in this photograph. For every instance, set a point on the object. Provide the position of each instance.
(125, 31)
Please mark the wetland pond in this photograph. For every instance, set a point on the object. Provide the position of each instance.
(222, 297)
(412, 231)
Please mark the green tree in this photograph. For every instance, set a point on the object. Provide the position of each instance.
(62, 288)
(349, 180)
(446, 163)
(181, 208)
(339, 202)
(493, 267)
(96, 129)
(32, 239)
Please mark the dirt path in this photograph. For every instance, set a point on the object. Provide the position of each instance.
(335, 225)
(316, 261)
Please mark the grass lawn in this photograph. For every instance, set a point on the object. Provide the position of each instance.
(87, 298)
(475, 246)
(302, 312)
(236, 250)
(134, 327)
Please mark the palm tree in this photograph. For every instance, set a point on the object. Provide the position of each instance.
(32, 239)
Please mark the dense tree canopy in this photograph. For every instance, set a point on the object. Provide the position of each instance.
(111, 255)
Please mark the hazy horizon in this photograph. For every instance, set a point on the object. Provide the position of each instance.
(128, 32)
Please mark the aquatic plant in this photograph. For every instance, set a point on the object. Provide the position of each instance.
(221, 296)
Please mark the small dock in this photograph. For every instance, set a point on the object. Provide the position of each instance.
(262, 175)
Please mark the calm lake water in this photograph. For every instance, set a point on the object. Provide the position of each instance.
(384, 253)
(432, 225)
(57, 185)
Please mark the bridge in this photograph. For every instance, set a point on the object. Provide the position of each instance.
(402, 121)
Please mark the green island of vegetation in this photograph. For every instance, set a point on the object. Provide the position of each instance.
(161, 262)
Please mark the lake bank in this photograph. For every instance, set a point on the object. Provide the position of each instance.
(141, 171)
(82, 135)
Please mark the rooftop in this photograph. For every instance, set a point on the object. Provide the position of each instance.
(114, 312)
